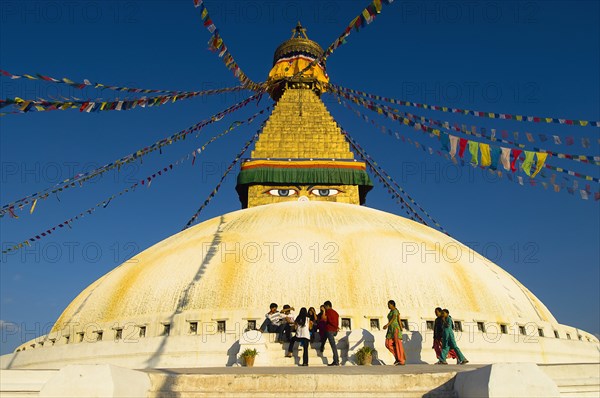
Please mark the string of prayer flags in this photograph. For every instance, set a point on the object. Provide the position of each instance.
(216, 44)
(374, 169)
(490, 115)
(87, 83)
(218, 186)
(88, 106)
(425, 124)
(502, 154)
(78, 179)
(143, 182)
(366, 16)
(387, 179)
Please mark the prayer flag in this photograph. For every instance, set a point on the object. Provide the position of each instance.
(453, 145)
(515, 155)
(495, 155)
(505, 158)
(486, 157)
(462, 144)
(474, 150)
(445, 142)
(528, 162)
(541, 159)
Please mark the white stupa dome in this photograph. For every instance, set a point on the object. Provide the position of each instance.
(302, 254)
(218, 278)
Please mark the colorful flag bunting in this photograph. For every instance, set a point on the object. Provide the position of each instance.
(491, 115)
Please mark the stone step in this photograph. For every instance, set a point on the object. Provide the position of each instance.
(336, 383)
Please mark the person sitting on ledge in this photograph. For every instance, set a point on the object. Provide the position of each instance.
(302, 323)
(272, 320)
(287, 321)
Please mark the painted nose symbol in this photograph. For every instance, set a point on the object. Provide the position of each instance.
(302, 199)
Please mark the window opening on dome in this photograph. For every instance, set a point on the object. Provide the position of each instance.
(32, 345)
(193, 327)
(346, 324)
(80, 337)
(41, 343)
(251, 324)
(457, 326)
(429, 325)
(541, 332)
(556, 334)
(374, 324)
(142, 331)
(221, 326)
(53, 341)
(481, 327)
(67, 338)
(568, 336)
(99, 334)
(166, 329)
(580, 337)
(503, 329)
(522, 330)
(404, 324)
(118, 333)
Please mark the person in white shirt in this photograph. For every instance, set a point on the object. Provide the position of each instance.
(302, 323)
(272, 321)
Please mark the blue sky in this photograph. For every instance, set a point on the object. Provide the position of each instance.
(538, 58)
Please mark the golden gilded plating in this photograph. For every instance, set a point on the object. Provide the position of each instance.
(287, 135)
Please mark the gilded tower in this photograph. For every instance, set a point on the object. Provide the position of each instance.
(301, 154)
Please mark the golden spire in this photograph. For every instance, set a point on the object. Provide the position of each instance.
(292, 57)
(301, 153)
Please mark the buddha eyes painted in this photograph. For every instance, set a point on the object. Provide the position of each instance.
(282, 192)
(322, 192)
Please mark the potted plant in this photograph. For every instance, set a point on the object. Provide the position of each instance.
(248, 356)
(364, 356)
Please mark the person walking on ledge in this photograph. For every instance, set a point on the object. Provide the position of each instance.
(393, 337)
(448, 341)
(332, 318)
(438, 333)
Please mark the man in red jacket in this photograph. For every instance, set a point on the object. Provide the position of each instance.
(332, 326)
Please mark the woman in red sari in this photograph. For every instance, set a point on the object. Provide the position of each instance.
(393, 338)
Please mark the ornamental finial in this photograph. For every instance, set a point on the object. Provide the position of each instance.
(299, 31)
